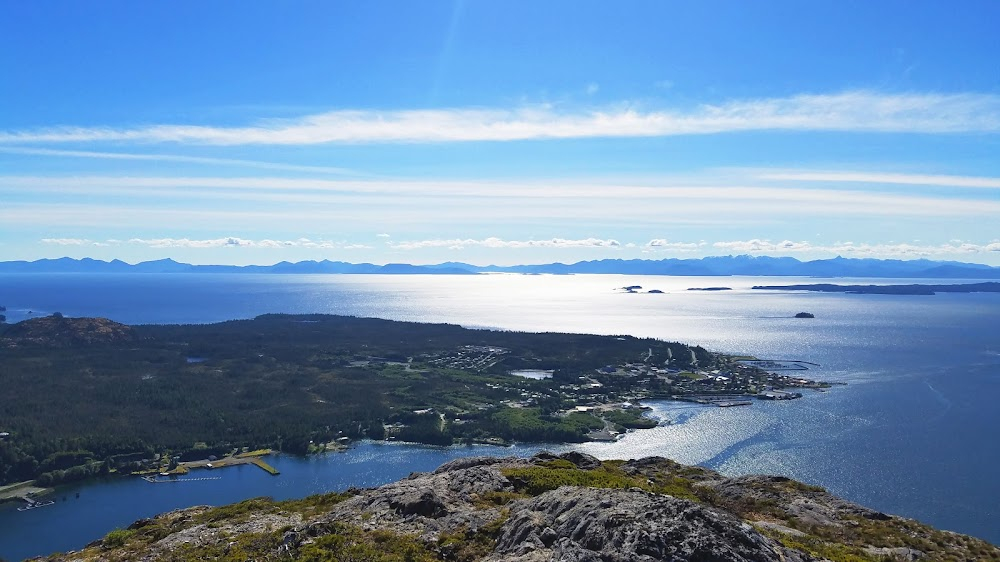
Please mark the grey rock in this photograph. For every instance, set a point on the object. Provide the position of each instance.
(471, 462)
(581, 460)
(583, 524)
(415, 502)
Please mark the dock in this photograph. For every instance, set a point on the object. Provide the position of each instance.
(155, 480)
(34, 504)
(183, 468)
(259, 462)
(731, 403)
(720, 400)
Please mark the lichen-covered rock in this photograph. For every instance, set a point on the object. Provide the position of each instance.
(628, 525)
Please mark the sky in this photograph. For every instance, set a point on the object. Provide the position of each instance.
(499, 132)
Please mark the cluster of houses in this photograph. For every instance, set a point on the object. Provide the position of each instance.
(470, 358)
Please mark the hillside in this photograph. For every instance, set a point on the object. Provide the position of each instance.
(571, 508)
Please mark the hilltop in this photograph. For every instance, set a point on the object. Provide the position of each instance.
(59, 331)
(571, 507)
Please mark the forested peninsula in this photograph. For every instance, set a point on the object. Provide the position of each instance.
(916, 289)
(88, 396)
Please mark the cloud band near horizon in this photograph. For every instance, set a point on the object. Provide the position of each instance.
(659, 245)
(852, 111)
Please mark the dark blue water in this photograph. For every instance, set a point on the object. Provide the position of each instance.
(914, 432)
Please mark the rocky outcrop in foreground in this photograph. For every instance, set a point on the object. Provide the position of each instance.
(571, 507)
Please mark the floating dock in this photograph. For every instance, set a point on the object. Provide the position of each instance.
(731, 403)
(720, 400)
(155, 480)
(34, 504)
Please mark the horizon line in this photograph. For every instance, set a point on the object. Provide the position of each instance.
(459, 263)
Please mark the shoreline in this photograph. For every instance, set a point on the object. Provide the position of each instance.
(182, 472)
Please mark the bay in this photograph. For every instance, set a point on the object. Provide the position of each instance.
(913, 432)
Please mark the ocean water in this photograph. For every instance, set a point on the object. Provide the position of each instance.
(914, 431)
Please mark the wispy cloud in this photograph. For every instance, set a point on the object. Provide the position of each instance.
(786, 247)
(225, 242)
(657, 245)
(235, 242)
(661, 244)
(458, 244)
(753, 246)
(876, 178)
(565, 198)
(175, 158)
(68, 241)
(856, 111)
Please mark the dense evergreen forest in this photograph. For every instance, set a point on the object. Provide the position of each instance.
(87, 396)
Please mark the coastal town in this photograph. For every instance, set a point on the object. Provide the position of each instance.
(614, 393)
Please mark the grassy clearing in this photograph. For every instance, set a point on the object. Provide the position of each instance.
(553, 474)
(257, 453)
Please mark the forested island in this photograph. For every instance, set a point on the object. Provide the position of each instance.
(988, 287)
(88, 396)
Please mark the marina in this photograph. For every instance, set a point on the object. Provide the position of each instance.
(155, 480)
(779, 364)
(720, 400)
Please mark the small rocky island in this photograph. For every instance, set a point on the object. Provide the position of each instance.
(570, 507)
(638, 289)
(805, 315)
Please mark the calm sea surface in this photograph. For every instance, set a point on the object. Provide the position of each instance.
(915, 431)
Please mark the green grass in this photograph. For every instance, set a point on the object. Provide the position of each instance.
(821, 549)
(346, 542)
(245, 509)
(116, 538)
(631, 419)
(535, 480)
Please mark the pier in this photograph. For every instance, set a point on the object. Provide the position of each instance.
(779, 364)
(731, 403)
(252, 457)
(720, 400)
(155, 480)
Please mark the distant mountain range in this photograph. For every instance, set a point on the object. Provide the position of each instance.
(710, 266)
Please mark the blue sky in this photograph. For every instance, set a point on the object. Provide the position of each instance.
(498, 132)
